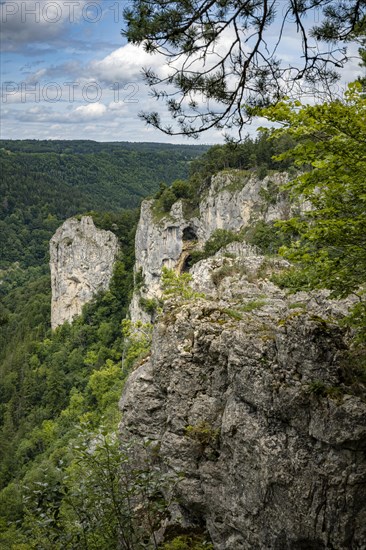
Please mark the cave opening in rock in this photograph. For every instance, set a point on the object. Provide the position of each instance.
(186, 264)
(189, 234)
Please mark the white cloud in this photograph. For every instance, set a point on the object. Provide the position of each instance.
(125, 64)
(89, 112)
(36, 21)
(117, 107)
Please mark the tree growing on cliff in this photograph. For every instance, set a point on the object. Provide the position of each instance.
(178, 286)
(109, 496)
(331, 151)
(222, 54)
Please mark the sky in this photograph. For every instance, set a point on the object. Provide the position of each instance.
(67, 73)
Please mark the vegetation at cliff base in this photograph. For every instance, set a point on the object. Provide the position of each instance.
(61, 480)
(59, 390)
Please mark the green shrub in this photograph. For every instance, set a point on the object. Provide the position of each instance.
(292, 278)
(252, 305)
(270, 193)
(320, 389)
(267, 237)
(167, 200)
(167, 196)
(137, 342)
(177, 286)
(233, 314)
(107, 497)
(356, 319)
(218, 239)
(202, 433)
(317, 388)
(182, 189)
(139, 279)
(188, 542)
(262, 171)
(196, 256)
(150, 305)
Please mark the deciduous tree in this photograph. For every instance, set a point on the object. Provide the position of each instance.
(331, 152)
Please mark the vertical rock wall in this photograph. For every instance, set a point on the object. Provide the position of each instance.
(81, 262)
(233, 201)
(246, 396)
(158, 244)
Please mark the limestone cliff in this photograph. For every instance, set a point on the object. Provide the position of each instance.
(81, 262)
(247, 394)
(233, 201)
(157, 244)
(236, 199)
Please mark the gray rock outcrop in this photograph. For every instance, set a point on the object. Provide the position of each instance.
(246, 394)
(233, 201)
(81, 262)
(157, 244)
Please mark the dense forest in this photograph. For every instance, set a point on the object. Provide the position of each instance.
(57, 387)
(59, 390)
(45, 182)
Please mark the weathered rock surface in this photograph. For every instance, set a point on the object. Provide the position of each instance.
(81, 262)
(157, 244)
(244, 393)
(247, 391)
(233, 201)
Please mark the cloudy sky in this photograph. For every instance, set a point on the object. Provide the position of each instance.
(67, 73)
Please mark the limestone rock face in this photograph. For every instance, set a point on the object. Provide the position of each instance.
(233, 201)
(249, 392)
(81, 261)
(157, 244)
(245, 394)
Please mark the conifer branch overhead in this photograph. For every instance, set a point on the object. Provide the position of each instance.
(222, 54)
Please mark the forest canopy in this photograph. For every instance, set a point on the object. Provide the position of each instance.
(45, 182)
